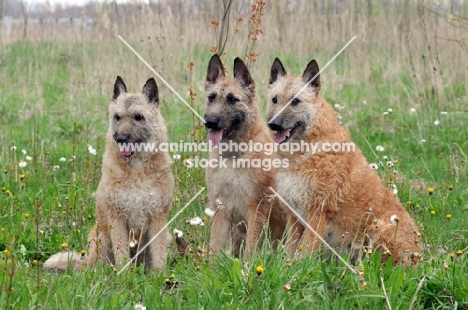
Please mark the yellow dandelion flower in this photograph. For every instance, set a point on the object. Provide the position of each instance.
(35, 262)
(433, 212)
(449, 216)
(83, 252)
(3, 229)
(430, 190)
(8, 192)
(459, 252)
(64, 245)
(22, 176)
(260, 270)
(26, 216)
(6, 252)
(5, 171)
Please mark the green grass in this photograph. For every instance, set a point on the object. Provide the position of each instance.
(53, 104)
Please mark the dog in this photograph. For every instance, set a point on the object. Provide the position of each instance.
(135, 191)
(336, 192)
(238, 191)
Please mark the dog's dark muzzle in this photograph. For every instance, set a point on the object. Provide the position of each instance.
(211, 122)
(276, 125)
(122, 138)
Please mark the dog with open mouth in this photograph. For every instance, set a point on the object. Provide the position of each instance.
(239, 194)
(334, 190)
(135, 192)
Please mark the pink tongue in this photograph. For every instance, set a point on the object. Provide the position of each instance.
(126, 152)
(214, 136)
(280, 136)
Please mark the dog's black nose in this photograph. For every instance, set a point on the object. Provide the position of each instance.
(275, 125)
(211, 122)
(122, 139)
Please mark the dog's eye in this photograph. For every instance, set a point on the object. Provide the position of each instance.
(117, 117)
(275, 100)
(211, 97)
(138, 117)
(231, 99)
(295, 101)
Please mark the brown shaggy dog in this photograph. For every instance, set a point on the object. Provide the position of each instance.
(238, 186)
(334, 189)
(136, 187)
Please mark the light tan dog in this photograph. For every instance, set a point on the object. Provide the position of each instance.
(135, 192)
(336, 192)
(238, 185)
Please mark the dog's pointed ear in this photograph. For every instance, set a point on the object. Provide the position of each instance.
(215, 69)
(150, 90)
(277, 70)
(119, 87)
(312, 72)
(242, 74)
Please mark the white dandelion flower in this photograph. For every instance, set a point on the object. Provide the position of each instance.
(444, 112)
(390, 164)
(385, 158)
(62, 159)
(374, 166)
(140, 307)
(412, 110)
(91, 150)
(437, 122)
(28, 158)
(394, 219)
(385, 113)
(380, 148)
(380, 164)
(196, 221)
(133, 243)
(176, 156)
(422, 141)
(56, 168)
(178, 233)
(22, 164)
(395, 189)
(13, 148)
(389, 110)
(209, 212)
(364, 102)
(24, 152)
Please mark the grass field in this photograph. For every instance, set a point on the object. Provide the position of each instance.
(400, 85)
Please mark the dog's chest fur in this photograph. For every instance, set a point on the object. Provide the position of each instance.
(232, 189)
(136, 203)
(296, 189)
(135, 197)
